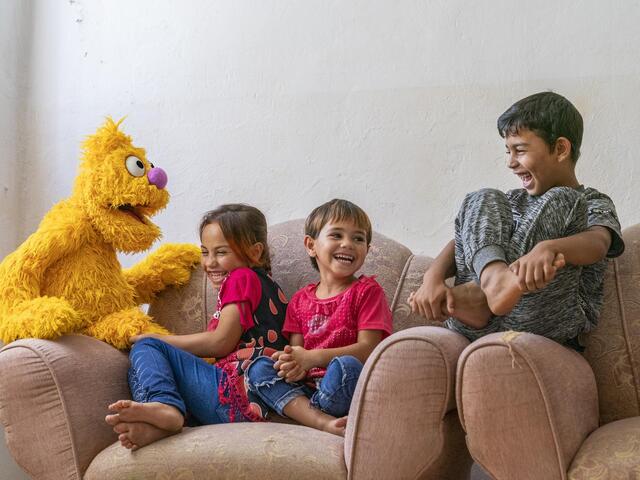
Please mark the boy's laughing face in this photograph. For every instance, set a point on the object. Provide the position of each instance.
(538, 166)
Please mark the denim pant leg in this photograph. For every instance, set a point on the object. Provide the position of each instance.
(263, 380)
(337, 386)
(160, 372)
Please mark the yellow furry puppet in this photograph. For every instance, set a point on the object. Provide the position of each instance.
(66, 277)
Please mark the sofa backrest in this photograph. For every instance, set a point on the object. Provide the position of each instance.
(613, 348)
(188, 309)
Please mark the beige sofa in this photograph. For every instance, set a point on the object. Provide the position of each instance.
(403, 421)
(530, 407)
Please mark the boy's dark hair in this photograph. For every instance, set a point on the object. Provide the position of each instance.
(336, 210)
(548, 115)
(242, 226)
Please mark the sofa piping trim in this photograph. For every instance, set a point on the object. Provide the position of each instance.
(403, 275)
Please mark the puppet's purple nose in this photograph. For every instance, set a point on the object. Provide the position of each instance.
(157, 177)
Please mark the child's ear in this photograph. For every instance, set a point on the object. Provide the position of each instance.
(256, 252)
(310, 245)
(563, 148)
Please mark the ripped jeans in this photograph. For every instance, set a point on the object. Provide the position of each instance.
(333, 396)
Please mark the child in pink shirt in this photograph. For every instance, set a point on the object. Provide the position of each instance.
(333, 325)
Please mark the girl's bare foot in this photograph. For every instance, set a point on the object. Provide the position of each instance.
(165, 417)
(139, 434)
(501, 287)
(470, 305)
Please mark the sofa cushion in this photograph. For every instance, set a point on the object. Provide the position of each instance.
(230, 451)
(612, 451)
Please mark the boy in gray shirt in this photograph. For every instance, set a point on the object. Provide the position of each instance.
(531, 259)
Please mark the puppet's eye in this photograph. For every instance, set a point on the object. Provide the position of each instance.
(135, 166)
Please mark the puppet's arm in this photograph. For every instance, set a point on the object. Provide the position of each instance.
(171, 264)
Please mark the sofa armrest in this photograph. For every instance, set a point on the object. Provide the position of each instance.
(402, 422)
(527, 404)
(53, 400)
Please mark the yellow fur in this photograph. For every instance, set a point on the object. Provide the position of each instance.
(66, 278)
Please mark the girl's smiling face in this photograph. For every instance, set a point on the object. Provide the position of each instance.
(218, 258)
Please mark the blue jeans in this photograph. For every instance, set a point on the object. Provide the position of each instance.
(160, 372)
(333, 396)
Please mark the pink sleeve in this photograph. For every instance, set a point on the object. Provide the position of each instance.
(243, 288)
(373, 311)
(291, 320)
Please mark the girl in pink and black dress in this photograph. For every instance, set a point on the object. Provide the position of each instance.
(170, 379)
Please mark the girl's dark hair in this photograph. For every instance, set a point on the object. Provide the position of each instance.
(548, 115)
(242, 226)
(336, 210)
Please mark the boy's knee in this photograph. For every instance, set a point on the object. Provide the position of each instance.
(492, 194)
(567, 194)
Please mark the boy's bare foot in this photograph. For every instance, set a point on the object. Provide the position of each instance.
(470, 305)
(501, 287)
(139, 434)
(165, 417)
(337, 426)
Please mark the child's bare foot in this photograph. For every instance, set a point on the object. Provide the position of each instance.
(139, 434)
(337, 426)
(470, 305)
(501, 287)
(165, 417)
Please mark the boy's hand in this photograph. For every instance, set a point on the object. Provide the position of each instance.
(433, 300)
(538, 268)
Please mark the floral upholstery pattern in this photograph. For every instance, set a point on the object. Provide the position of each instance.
(611, 452)
(272, 451)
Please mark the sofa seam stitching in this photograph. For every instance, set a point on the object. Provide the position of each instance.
(403, 274)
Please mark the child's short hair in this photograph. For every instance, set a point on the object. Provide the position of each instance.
(548, 115)
(242, 226)
(336, 210)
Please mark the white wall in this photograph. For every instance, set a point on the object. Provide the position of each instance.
(13, 45)
(287, 104)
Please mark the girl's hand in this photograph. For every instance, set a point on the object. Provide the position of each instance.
(137, 338)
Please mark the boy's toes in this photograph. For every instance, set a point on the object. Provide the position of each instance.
(120, 404)
(121, 428)
(112, 419)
